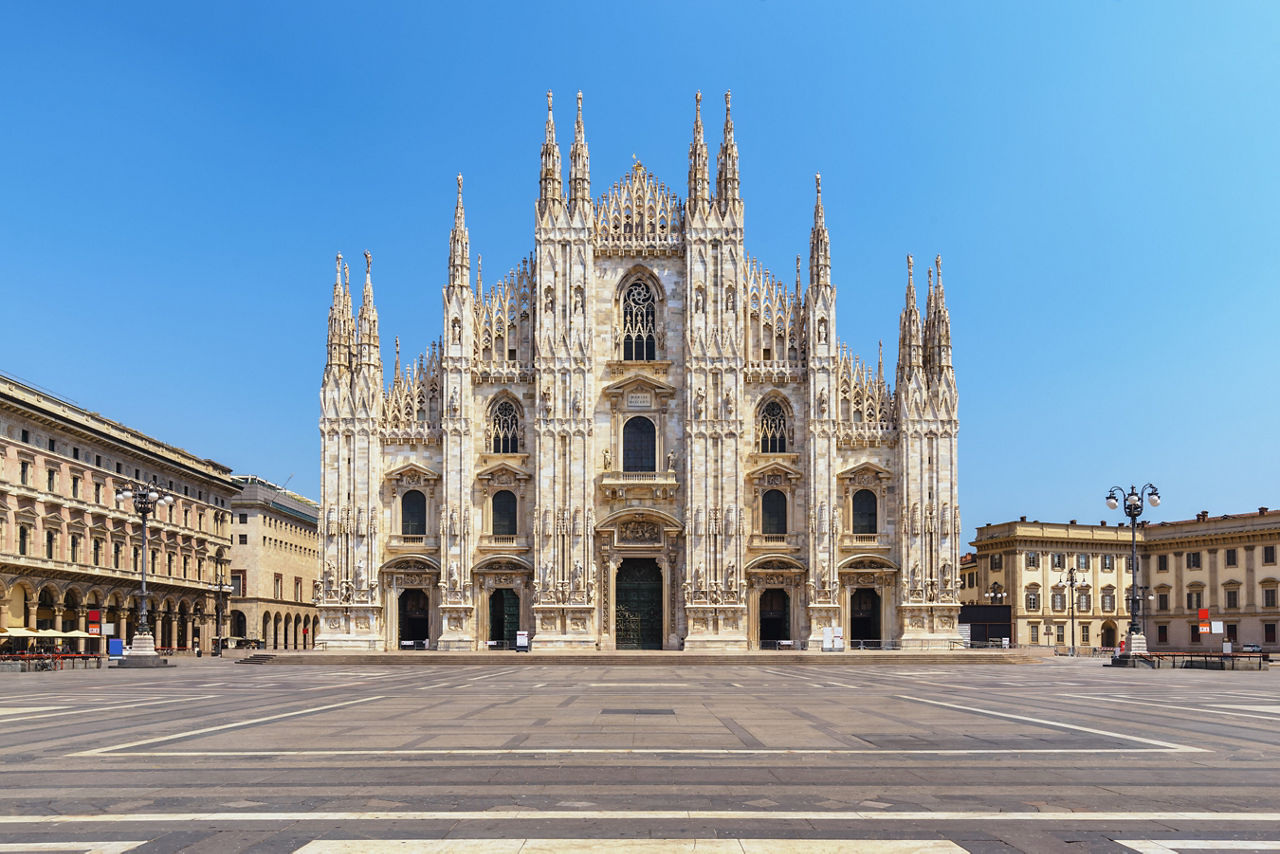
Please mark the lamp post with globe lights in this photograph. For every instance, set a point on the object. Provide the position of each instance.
(146, 497)
(1132, 501)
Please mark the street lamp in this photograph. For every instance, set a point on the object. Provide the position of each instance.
(221, 589)
(145, 497)
(996, 594)
(1071, 583)
(1133, 509)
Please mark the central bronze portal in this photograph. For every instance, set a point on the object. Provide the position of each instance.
(639, 609)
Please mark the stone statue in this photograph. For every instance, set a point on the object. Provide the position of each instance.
(329, 572)
(608, 460)
(671, 460)
(453, 402)
(359, 577)
(576, 578)
(317, 590)
(368, 262)
(454, 580)
(699, 402)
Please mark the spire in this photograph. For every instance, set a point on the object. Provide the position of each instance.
(459, 246)
(727, 163)
(370, 349)
(942, 322)
(909, 355)
(339, 353)
(550, 188)
(396, 373)
(699, 175)
(579, 163)
(880, 365)
(819, 242)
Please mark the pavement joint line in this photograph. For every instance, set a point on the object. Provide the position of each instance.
(97, 709)
(1195, 709)
(98, 751)
(657, 751)
(1168, 745)
(1171, 846)
(520, 814)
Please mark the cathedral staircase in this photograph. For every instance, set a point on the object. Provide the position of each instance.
(257, 658)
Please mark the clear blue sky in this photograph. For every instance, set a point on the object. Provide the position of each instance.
(1100, 178)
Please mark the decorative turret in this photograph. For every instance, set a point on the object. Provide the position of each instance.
(579, 165)
(699, 173)
(910, 357)
(938, 368)
(727, 163)
(339, 361)
(459, 246)
(819, 242)
(551, 190)
(369, 348)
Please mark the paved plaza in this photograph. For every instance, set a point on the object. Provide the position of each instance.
(1058, 755)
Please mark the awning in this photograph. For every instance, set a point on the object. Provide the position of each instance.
(13, 632)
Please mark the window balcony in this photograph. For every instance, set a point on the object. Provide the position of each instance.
(412, 543)
(862, 542)
(639, 484)
(776, 542)
(503, 542)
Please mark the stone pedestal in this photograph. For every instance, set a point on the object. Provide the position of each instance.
(457, 628)
(930, 625)
(1137, 644)
(142, 653)
(561, 627)
(716, 628)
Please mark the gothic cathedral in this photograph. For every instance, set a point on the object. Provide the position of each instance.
(639, 438)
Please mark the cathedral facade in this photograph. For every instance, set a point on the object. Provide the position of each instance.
(638, 438)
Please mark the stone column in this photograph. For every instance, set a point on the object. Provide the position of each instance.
(82, 619)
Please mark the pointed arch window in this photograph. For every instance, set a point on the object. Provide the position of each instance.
(772, 428)
(773, 511)
(504, 513)
(504, 428)
(639, 445)
(864, 512)
(639, 323)
(413, 514)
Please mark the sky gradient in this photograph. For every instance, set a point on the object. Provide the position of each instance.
(1099, 178)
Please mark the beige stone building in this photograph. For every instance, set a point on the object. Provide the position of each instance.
(274, 563)
(1226, 564)
(639, 437)
(68, 549)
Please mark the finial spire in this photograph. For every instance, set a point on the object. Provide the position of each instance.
(579, 164)
(819, 240)
(368, 265)
(459, 245)
(699, 170)
(551, 190)
(727, 180)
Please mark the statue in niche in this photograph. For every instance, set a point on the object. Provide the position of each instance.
(329, 573)
(728, 404)
(577, 300)
(915, 576)
(317, 590)
(359, 576)
(575, 580)
(454, 579)
(608, 460)
(671, 460)
(453, 522)
(577, 403)
(546, 401)
(697, 300)
(822, 331)
(453, 402)
(546, 523)
(822, 401)
(699, 402)
(698, 577)
(346, 590)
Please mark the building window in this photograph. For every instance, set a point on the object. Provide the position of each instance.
(1162, 563)
(1084, 633)
(1108, 600)
(186, 565)
(1195, 599)
(24, 473)
(53, 444)
(1193, 560)
(1269, 597)
(97, 552)
(75, 487)
(1059, 601)
(1035, 634)
(1084, 602)
(277, 586)
(168, 564)
(1195, 633)
(1082, 561)
(772, 427)
(115, 555)
(75, 548)
(23, 540)
(997, 563)
(1033, 602)
(297, 589)
(1269, 632)
(1233, 598)
(773, 511)
(52, 478)
(1033, 560)
(97, 493)
(639, 324)
(1061, 633)
(1162, 634)
(1230, 558)
(504, 428)
(1059, 560)
(1233, 632)
(244, 539)
(26, 436)
(639, 445)
(1268, 554)
(244, 518)
(48, 544)
(1162, 601)
(413, 514)
(864, 512)
(1108, 562)
(504, 513)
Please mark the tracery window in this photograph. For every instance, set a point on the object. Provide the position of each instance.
(639, 445)
(639, 323)
(413, 514)
(773, 511)
(504, 428)
(772, 427)
(504, 513)
(864, 512)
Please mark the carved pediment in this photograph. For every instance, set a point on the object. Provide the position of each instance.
(503, 474)
(865, 474)
(639, 384)
(412, 474)
(774, 473)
